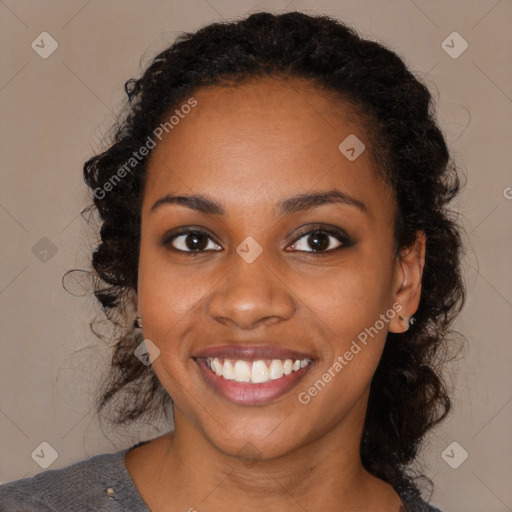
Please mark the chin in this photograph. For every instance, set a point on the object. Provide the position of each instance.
(261, 439)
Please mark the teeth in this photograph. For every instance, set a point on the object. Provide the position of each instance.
(276, 369)
(228, 371)
(242, 372)
(217, 367)
(255, 371)
(259, 372)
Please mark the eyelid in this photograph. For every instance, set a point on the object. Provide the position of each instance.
(336, 232)
(169, 238)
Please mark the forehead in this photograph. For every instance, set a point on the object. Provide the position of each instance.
(262, 141)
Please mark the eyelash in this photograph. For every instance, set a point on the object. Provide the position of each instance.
(340, 235)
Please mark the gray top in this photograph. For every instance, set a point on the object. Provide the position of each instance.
(101, 483)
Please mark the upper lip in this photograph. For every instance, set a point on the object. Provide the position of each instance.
(252, 352)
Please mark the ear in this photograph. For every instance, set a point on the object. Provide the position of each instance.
(407, 282)
(133, 300)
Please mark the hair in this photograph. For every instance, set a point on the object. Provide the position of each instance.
(408, 395)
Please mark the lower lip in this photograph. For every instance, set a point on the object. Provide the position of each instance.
(251, 394)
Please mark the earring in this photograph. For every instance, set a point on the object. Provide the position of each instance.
(410, 321)
(138, 321)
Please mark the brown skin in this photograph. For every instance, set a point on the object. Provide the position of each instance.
(249, 148)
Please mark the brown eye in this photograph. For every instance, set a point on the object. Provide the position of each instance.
(192, 241)
(321, 241)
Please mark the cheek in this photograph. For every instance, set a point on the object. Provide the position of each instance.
(169, 297)
(348, 301)
(352, 309)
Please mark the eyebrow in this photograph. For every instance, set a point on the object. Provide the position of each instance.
(297, 203)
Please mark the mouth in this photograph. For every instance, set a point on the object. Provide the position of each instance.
(252, 375)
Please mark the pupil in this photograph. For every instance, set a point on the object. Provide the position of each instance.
(196, 245)
(319, 241)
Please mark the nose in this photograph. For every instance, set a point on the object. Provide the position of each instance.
(250, 295)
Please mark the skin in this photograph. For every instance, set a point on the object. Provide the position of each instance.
(249, 148)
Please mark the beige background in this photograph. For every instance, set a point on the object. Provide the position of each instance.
(54, 113)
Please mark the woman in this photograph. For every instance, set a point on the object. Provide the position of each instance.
(274, 215)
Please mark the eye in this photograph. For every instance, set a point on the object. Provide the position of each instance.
(320, 240)
(194, 241)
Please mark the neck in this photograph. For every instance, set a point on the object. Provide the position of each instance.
(325, 474)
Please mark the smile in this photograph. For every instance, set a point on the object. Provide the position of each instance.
(254, 371)
(252, 375)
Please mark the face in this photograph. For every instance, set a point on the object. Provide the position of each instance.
(250, 277)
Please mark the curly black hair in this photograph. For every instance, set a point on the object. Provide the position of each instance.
(408, 394)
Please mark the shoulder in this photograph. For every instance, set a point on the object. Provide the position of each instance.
(101, 482)
(21, 496)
